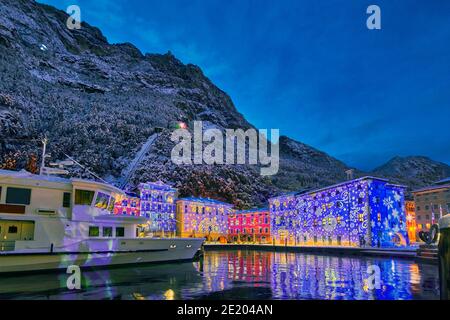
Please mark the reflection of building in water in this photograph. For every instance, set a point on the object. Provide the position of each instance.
(215, 271)
(252, 266)
(203, 218)
(298, 276)
(222, 268)
(366, 211)
(249, 226)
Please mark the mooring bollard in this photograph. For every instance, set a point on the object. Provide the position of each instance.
(444, 257)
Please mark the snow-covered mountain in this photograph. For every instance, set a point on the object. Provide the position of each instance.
(414, 171)
(101, 103)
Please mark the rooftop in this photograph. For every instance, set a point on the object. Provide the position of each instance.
(312, 191)
(205, 200)
(443, 181)
(158, 185)
(23, 174)
(432, 188)
(252, 210)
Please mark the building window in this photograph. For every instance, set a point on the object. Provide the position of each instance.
(120, 232)
(66, 199)
(107, 232)
(94, 231)
(18, 196)
(112, 202)
(102, 200)
(427, 207)
(12, 229)
(84, 197)
(418, 208)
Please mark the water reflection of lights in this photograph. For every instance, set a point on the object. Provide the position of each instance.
(256, 275)
(169, 294)
(138, 296)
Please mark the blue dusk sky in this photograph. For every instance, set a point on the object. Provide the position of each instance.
(310, 68)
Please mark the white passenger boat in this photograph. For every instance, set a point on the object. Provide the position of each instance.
(48, 222)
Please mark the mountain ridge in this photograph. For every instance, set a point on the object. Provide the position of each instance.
(102, 101)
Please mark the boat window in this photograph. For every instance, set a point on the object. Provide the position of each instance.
(102, 200)
(107, 232)
(120, 231)
(94, 231)
(18, 196)
(66, 199)
(84, 197)
(12, 229)
(111, 204)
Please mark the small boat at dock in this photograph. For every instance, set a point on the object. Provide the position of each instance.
(50, 223)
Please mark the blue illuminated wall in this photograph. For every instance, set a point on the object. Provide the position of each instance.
(158, 205)
(366, 211)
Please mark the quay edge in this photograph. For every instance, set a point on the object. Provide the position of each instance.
(404, 253)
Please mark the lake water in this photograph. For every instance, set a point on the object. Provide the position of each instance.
(239, 275)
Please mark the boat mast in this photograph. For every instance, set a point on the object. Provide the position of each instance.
(44, 148)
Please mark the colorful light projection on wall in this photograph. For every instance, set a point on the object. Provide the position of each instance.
(365, 211)
(199, 217)
(158, 205)
(249, 226)
(411, 223)
(127, 205)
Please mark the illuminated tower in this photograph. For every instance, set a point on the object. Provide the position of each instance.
(158, 205)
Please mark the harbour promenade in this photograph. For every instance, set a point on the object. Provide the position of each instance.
(401, 252)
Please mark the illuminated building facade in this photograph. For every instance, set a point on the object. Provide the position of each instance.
(203, 218)
(127, 205)
(362, 212)
(432, 203)
(249, 226)
(158, 205)
(411, 225)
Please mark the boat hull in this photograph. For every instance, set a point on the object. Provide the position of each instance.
(156, 250)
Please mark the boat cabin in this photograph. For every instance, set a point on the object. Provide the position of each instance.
(38, 210)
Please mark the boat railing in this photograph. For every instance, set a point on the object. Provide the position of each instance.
(7, 246)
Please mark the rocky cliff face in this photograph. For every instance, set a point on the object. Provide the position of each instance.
(100, 102)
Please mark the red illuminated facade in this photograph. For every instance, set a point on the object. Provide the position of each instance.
(249, 226)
